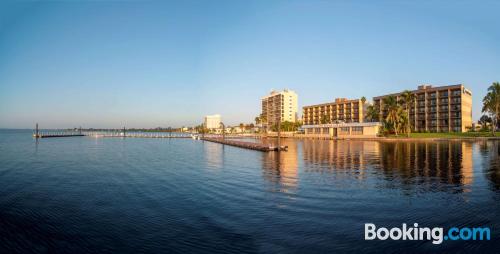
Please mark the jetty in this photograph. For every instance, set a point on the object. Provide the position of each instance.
(57, 135)
(248, 145)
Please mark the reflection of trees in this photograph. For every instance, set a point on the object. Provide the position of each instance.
(491, 150)
(427, 162)
(281, 168)
(408, 163)
(349, 158)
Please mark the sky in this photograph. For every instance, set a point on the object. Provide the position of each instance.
(108, 64)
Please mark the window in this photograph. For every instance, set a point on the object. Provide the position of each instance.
(357, 130)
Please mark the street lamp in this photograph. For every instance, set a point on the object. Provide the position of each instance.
(223, 131)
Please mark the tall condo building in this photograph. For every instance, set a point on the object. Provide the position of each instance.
(436, 109)
(279, 106)
(212, 122)
(341, 110)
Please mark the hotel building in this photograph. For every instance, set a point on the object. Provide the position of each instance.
(436, 109)
(279, 106)
(212, 122)
(341, 110)
(342, 118)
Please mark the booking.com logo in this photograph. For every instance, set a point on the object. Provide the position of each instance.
(417, 233)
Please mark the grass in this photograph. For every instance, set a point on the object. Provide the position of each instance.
(447, 135)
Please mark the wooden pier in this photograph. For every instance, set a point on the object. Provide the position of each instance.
(56, 135)
(247, 145)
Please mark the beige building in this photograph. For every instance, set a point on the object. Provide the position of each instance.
(437, 109)
(341, 110)
(279, 106)
(343, 130)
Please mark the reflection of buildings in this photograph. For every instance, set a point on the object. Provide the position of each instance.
(424, 163)
(213, 154)
(282, 168)
(348, 157)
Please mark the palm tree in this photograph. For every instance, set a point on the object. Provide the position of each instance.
(491, 104)
(408, 102)
(257, 120)
(392, 107)
(363, 100)
(372, 114)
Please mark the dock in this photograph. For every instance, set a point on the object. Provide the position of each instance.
(248, 145)
(56, 135)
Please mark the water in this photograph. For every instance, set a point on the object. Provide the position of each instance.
(86, 194)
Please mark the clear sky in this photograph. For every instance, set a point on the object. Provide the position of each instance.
(169, 63)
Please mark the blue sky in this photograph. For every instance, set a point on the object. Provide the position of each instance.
(169, 63)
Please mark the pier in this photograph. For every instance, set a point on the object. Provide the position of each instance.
(248, 145)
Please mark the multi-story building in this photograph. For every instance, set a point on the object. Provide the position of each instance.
(279, 106)
(212, 122)
(436, 109)
(341, 110)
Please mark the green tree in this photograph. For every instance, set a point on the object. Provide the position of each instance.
(372, 113)
(363, 100)
(323, 119)
(392, 120)
(484, 121)
(408, 101)
(491, 104)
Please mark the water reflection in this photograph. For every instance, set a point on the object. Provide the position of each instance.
(213, 154)
(428, 166)
(342, 157)
(491, 164)
(281, 168)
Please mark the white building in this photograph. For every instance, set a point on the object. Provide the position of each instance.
(279, 106)
(213, 122)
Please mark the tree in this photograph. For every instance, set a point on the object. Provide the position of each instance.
(242, 127)
(363, 100)
(484, 121)
(408, 101)
(491, 104)
(392, 120)
(257, 120)
(323, 119)
(372, 113)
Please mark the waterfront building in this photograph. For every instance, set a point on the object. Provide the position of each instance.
(343, 130)
(437, 109)
(341, 110)
(212, 122)
(279, 106)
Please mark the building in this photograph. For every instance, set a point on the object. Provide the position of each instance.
(212, 122)
(279, 106)
(437, 109)
(341, 110)
(343, 130)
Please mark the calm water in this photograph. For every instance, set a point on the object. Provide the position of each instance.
(157, 195)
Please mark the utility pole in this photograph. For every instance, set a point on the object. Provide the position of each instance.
(279, 134)
(223, 131)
